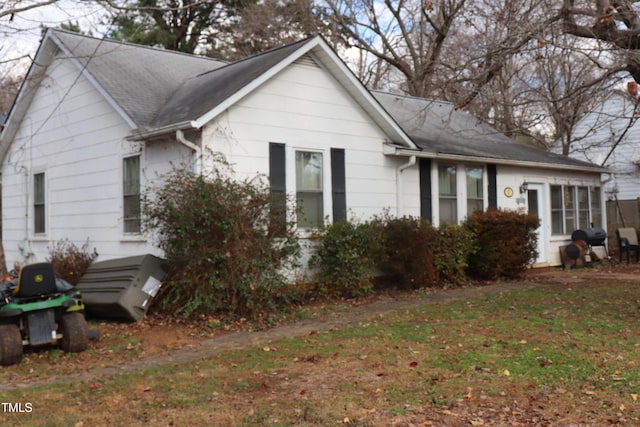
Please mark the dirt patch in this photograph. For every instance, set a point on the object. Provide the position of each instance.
(126, 347)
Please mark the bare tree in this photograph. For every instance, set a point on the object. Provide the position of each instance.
(410, 35)
(12, 7)
(616, 23)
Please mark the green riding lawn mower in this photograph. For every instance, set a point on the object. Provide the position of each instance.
(37, 310)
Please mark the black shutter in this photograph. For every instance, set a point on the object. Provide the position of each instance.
(278, 189)
(492, 172)
(425, 189)
(338, 185)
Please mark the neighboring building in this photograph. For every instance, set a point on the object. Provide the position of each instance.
(609, 135)
(97, 121)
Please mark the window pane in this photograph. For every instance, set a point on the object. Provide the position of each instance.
(310, 211)
(448, 191)
(570, 214)
(131, 194)
(474, 190)
(596, 207)
(556, 210)
(583, 208)
(38, 203)
(447, 180)
(309, 194)
(308, 171)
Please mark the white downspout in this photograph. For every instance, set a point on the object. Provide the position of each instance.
(198, 166)
(399, 187)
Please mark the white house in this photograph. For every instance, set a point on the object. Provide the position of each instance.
(98, 120)
(608, 135)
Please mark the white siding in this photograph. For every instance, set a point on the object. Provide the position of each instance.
(76, 138)
(305, 108)
(513, 177)
(595, 136)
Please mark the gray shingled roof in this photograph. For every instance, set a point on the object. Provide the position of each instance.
(439, 127)
(158, 88)
(203, 92)
(139, 79)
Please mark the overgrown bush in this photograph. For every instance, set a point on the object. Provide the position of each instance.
(214, 231)
(343, 259)
(69, 261)
(453, 247)
(505, 243)
(407, 252)
(415, 254)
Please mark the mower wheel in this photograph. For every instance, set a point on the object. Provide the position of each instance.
(74, 332)
(10, 345)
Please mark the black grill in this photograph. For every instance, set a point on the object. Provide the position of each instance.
(595, 236)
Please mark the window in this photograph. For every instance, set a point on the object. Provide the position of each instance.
(574, 208)
(570, 217)
(131, 194)
(447, 194)
(309, 184)
(38, 203)
(475, 200)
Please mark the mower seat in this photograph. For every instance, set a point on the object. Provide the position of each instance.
(36, 280)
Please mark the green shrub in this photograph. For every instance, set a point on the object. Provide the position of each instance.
(343, 259)
(414, 254)
(214, 231)
(69, 261)
(454, 245)
(505, 243)
(407, 253)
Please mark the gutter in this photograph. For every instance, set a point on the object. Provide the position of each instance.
(155, 132)
(392, 150)
(197, 151)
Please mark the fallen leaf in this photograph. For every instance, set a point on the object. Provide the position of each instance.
(634, 396)
(506, 373)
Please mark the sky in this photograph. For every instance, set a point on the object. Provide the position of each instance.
(20, 36)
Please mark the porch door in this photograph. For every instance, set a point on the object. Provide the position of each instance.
(537, 206)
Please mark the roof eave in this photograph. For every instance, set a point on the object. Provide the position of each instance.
(141, 135)
(394, 150)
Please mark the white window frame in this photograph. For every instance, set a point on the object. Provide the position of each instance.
(292, 185)
(575, 203)
(461, 189)
(44, 202)
(124, 195)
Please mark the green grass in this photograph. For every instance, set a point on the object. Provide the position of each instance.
(556, 351)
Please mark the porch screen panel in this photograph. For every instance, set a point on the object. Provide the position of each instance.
(570, 212)
(556, 210)
(583, 207)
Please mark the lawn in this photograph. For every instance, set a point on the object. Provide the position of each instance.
(554, 355)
